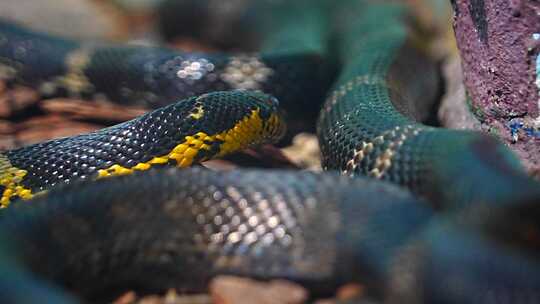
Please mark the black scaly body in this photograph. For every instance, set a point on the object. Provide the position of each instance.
(180, 228)
(164, 229)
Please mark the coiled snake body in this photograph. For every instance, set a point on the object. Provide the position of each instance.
(179, 228)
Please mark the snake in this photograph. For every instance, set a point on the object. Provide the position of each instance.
(182, 133)
(429, 216)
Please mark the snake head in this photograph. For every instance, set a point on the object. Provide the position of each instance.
(245, 115)
(233, 120)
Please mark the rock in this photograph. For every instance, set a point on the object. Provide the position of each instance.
(499, 42)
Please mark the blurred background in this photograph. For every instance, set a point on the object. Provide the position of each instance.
(24, 120)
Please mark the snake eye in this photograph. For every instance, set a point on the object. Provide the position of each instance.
(273, 101)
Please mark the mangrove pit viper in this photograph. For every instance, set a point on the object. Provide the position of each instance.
(466, 233)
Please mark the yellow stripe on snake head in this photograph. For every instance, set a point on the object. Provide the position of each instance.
(248, 131)
(10, 179)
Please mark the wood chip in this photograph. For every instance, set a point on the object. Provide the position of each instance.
(15, 100)
(171, 297)
(40, 128)
(81, 109)
(305, 152)
(127, 298)
(235, 290)
(350, 291)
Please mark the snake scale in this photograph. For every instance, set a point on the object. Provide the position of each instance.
(466, 233)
